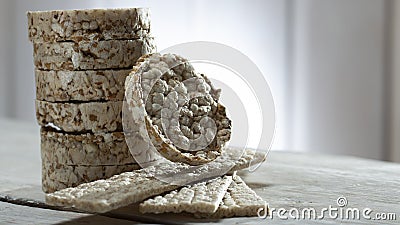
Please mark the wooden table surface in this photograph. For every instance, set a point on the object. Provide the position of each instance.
(291, 181)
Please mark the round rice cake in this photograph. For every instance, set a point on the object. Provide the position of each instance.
(96, 117)
(90, 55)
(88, 85)
(177, 108)
(57, 176)
(88, 149)
(88, 24)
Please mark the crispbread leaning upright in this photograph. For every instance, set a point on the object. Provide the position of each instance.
(82, 58)
(176, 109)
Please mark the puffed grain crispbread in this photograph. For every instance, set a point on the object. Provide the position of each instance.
(88, 85)
(131, 187)
(89, 24)
(204, 197)
(178, 109)
(120, 190)
(239, 200)
(91, 55)
(59, 176)
(236, 200)
(81, 116)
(88, 149)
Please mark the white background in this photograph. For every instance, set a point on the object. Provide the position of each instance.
(327, 62)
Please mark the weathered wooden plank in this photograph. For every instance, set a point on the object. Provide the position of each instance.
(287, 180)
(290, 180)
(17, 214)
(19, 154)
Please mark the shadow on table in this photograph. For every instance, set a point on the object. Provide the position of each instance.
(97, 219)
(132, 213)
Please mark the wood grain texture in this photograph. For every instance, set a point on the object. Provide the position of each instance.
(287, 180)
(17, 214)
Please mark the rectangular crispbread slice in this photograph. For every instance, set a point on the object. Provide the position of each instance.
(232, 159)
(91, 55)
(249, 159)
(88, 85)
(239, 200)
(204, 197)
(120, 190)
(88, 149)
(131, 187)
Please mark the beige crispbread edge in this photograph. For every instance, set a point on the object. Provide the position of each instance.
(239, 200)
(249, 158)
(81, 117)
(130, 187)
(88, 24)
(204, 197)
(86, 55)
(88, 85)
(120, 190)
(59, 176)
(86, 149)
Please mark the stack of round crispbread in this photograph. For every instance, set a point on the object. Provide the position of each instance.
(82, 58)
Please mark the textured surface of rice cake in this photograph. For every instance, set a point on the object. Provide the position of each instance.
(102, 149)
(248, 159)
(239, 200)
(130, 187)
(81, 117)
(178, 108)
(232, 159)
(89, 55)
(117, 191)
(90, 24)
(89, 85)
(59, 176)
(204, 197)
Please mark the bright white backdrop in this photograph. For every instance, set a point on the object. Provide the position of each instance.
(324, 60)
